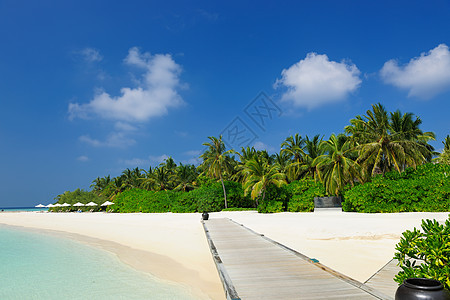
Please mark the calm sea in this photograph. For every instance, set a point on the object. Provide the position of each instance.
(41, 266)
(13, 209)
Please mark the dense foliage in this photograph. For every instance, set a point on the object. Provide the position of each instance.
(425, 254)
(206, 198)
(368, 164)
(78, 195)
(426, 188)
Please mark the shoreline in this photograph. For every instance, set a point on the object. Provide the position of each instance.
(173, 247)
(198, 276)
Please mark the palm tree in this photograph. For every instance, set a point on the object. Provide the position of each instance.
(132, 178)
(293, 146)
(282, 160)
(147, 181)
(335, 168)
(444, 157)
(185, 176)
(385, 143)
(170, 165)
(259, 176)
(161, 178)
(313, 150)
(216, 160)
(245, 155)
(99, 184)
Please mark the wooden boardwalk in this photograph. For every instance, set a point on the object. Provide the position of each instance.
(252, 266)
(383, 279)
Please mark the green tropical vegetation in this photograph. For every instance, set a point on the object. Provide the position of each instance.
(425, 253)
(382, 162)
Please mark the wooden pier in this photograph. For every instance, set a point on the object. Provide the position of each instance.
(383, 280)
(253, 266)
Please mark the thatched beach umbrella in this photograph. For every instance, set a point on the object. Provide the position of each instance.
(65, 204)
(91, 204)
(57, 205)
(78, 204)
(40, 205)
(50, 205)
(107, 203)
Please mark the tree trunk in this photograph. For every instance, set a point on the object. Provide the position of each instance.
(224, 192)
(262, 199)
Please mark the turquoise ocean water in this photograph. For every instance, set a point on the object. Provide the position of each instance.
(42, 266)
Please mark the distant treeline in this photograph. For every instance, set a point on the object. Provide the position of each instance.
(374, 165)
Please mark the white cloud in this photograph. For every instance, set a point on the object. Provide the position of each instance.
(91, 55)
(424, 76)
(114, 140)
(193, 153)
(315, 81)
(155, 94)
(158, 159)
(137, 162)
(122, 126)
(82, 158)
(262, 146)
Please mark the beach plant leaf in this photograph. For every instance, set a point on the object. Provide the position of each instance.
(425, 253)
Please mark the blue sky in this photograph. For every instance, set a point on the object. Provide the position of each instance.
(89, 88)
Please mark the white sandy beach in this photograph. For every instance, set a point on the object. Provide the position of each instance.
(173, 246)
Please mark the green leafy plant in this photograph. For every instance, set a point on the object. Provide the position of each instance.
(302, 195)
(425, 254)
(426, 188)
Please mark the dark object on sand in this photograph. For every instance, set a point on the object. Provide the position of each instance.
(421, 288)
(205, 216)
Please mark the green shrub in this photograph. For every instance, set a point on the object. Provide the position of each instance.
(137, 200)
(432, 247)
(275, 201)
(209, 197)
(426, 188)
(302, 195)
(239, 209)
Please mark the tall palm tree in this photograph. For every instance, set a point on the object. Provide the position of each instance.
(99, 184)
(147, 182)
(293, 146)
(282, 160)
(185, 176)
(162, 178)
(245, 155)
(312, 150)
(388, 142)
(444, 157)
(132, 177)
(335, 168)
(216, 161)
(259, 176)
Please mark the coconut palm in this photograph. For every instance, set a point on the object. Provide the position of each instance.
(162, 178)
(259, 176)
(283, 161)
(99, 184)
(335, 168)
(216, 161)
(293, 146)
(312, 149)
(185, 176)
(132, 177)
(444, 157)
(385, 143)
(245, 154)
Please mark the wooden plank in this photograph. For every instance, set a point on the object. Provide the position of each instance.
(259, 268)
(383, 280)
